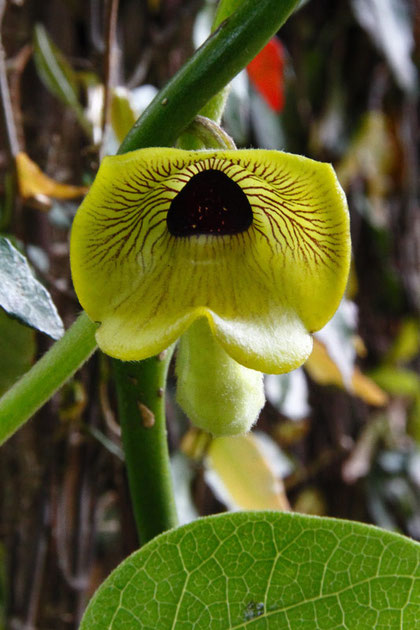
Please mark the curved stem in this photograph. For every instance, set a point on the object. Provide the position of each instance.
(231, 47)
(46, 376)
(141, 406)
(210, 134)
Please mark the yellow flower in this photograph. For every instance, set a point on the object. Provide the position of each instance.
(256, 242)
(243, 253)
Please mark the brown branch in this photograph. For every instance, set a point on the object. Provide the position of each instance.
(6, 104)
(18, 65)
(110, 41)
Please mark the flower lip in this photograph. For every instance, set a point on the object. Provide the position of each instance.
(209, 203)
(263, 290)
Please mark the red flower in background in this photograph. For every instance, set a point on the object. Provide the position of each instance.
(266, 73)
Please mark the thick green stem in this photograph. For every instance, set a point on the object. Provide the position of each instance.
(231, 47)
(141, 405)
(47, 375)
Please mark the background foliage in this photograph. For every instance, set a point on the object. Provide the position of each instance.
(340, 437)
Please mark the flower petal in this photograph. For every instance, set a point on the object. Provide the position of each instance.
(273, 345)
(263, 289)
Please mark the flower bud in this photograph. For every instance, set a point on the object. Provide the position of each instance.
(218, 394)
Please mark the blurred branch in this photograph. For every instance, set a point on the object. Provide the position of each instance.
(160, 40)
(95, 24)
(18, 65)
(110, 54)
(6, 103)
(210, 133)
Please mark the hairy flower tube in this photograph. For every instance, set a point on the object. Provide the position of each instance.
(256, 243)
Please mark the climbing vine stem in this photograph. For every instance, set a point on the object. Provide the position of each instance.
(141, 409)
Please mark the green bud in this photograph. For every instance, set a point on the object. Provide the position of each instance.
(218, 394)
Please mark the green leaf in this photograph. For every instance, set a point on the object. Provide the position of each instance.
(17, 349)
(225, 9)
(22, 296)
(57, 74)
(264, 570)
(123, 116)
(397, 381)
(407, 342)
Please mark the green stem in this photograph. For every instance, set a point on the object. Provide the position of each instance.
(231, 47)
(210, 134)
(141, 405)
(47, 375)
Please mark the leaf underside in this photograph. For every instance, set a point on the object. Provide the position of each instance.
(22, 296)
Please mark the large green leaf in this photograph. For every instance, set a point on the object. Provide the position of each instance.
(264, 570)
(22, 296)
(57, 74)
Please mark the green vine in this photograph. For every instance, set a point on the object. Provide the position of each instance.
(141, 407)
(51, 372)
